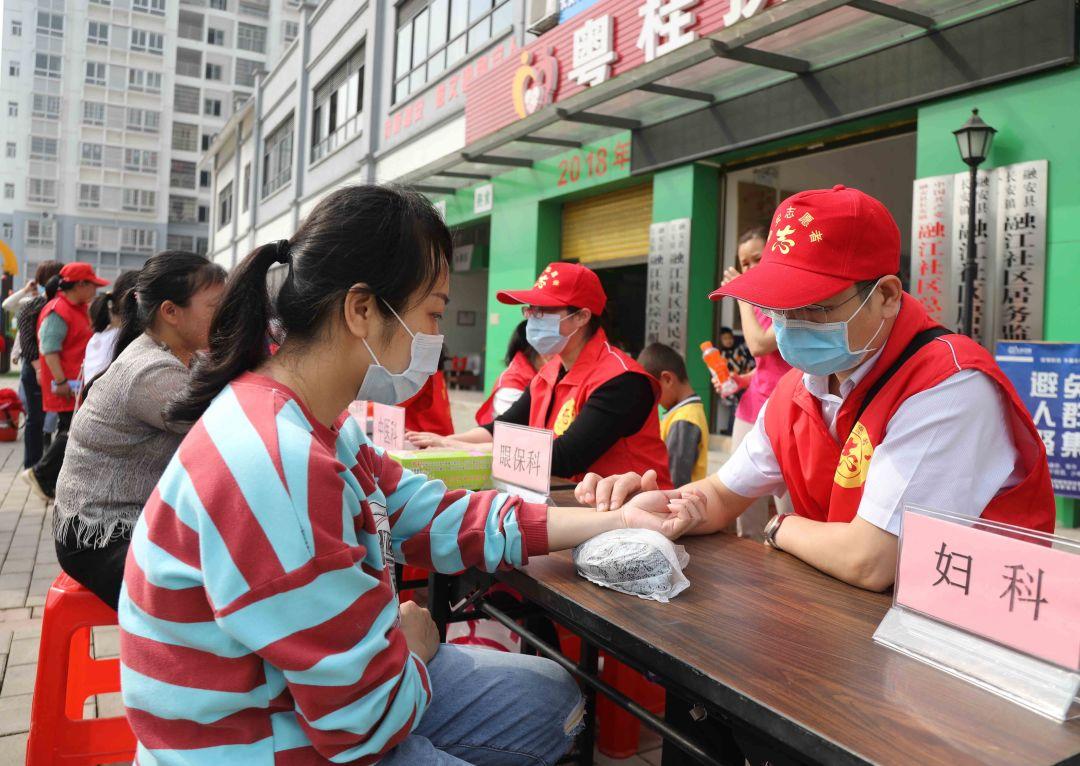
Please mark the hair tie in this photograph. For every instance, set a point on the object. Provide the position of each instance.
(281, 251)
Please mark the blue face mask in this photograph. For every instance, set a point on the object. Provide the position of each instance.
(543, 333)
(821, 348)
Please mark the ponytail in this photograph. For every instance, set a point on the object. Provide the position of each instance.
(52, 287)
(237, 334)
(131, 325)
(100, 312)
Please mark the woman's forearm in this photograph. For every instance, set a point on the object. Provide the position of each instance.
(759, 340)
(53, 362)
(568, 527)
(472, 436)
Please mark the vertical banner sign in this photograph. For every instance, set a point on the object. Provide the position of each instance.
(388, 426)
(1021, 250)
(1047, 377)
(521, 457)
(984, 209)
(668, 282)
(461, 258)
(932, 266)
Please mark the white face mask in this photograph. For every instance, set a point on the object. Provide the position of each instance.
(385, 387)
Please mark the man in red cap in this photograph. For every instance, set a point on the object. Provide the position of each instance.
(884, 408)
(598, 401)
(63, 331)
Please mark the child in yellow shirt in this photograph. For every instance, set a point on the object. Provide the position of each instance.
(685, 427)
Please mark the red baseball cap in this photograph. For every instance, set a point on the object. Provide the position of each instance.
(81, 272)
(820, 242)
(561, 284)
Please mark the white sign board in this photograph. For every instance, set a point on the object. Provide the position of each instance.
(483, 199)
(668, 282)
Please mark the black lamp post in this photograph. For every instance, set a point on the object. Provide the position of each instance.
(974, 138)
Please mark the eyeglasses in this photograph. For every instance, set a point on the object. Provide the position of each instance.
(815, 312)
(534, 312)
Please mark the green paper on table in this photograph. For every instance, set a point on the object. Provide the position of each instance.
(457, 468)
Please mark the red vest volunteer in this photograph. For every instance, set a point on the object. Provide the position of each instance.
(516, 377)
(884, 408)
(598, 401)
(78, 283)
(429, 409)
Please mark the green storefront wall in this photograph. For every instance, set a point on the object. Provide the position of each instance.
(526, 225)
(1036, 118)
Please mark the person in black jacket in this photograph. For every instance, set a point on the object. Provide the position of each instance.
(26, 320)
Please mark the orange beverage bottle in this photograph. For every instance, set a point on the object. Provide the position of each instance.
(715, 361)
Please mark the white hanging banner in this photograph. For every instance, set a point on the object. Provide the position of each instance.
(984, 209)
(668, 282)
(1020, 248)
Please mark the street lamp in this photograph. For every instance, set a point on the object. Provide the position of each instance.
(973, 138)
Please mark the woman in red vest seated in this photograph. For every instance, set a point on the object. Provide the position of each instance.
(598, 401)
(522, 363)
(429, 409)
(884, 409)
(63, 331)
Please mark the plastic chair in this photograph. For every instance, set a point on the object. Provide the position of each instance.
(66, 677)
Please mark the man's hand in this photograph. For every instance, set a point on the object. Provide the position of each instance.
(609, 494)
(64, 390)
(677, 515)
(423, 439)
(421, 634)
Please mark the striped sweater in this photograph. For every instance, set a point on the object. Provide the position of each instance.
(258, 620)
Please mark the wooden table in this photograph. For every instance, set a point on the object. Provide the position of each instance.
(787, 652)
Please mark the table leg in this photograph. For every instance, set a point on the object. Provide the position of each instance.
(439, 601)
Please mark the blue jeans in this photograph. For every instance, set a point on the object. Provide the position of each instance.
(33, 430)
(492, 708)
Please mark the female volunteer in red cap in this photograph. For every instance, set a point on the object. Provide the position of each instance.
(885, 408)
(599, 402)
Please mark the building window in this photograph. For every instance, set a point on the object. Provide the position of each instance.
(185, 137)
(191, 25)
(138, 240)
(225, 203)
(13, 108)
(89, 195)
(11, 150)
(143, 120)
(277, 158)
(140, 200)
(50, 24)
(98, 33)
(434, 35)
(186, 99)
(181, 209)
(93, 113)
(42, 190)
(250, 37)
(46, 65)
(245, 194)
(338, 103)
(86, 237)
(213, 71)
(204, 179)
(141, 160)
(207, 139)
(95, 73)
(215, 36)
(180, 242)
(182, 174)
(7, 230)
(46, 106)
(41, 233)
(42, 148)
(147, 42)
(290, 30)
(13, 68)
(188, 62)
(9, 191)
(144, 80)
(90, 155)
(245, 72)
(204, 214)
(16, 29)
(156, 7)
(212, 107)
(258, 8)
(202, 244)
(218, 5)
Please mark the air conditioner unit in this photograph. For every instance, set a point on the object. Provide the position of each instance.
(542, 16)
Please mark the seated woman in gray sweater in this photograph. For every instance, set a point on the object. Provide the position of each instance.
(120, 443)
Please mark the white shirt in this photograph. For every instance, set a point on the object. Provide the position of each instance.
(948, 448)
(504, 398)
(99, 352)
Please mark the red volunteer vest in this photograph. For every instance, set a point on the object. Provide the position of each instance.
(826, 478)
(77, 319)
(598, 363)
(429, 409)
(518, 375)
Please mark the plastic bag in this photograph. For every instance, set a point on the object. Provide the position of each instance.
(639, 562)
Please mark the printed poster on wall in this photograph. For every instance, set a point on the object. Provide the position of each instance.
(668, 283)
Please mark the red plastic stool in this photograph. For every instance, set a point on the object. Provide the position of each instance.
(66, 677)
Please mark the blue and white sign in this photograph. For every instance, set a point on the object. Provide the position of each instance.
(568, 9)
(1047, 377)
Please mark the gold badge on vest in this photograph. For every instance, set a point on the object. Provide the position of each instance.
(564, 418)
(854, 459)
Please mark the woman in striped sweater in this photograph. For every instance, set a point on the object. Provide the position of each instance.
(259, 621)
